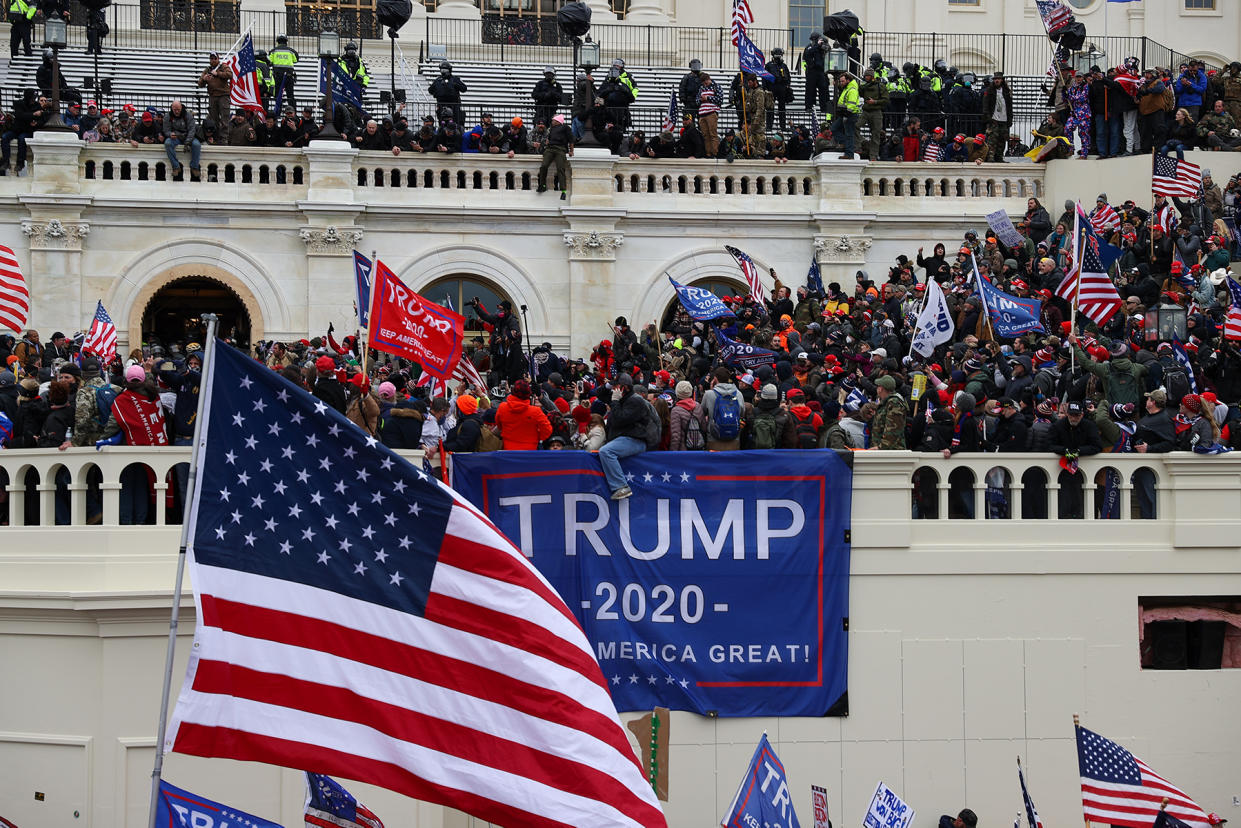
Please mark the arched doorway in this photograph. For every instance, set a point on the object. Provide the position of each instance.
(174, 312)
(720, 287)
(455, 290)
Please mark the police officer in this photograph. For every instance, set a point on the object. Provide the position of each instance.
(617, 96)
(813, 59)
(353, 65)
(267, 81)
(21, 20)
(689, 87)
(447, 89)
(283, 59)
(626, 79)
(884, 71)
(547, 95)
(781, 87)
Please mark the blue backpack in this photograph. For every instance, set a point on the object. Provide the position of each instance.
(105, 395)
(726, 417)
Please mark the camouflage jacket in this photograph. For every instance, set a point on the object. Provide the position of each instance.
(86, 427)
(887, 429)
(1221, 124)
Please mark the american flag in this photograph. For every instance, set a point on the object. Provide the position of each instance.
(1087, 283)
(743, 16)
(1166, 219)
(14, 296)
(1104, 218)
(1173, 177)
(1120, 789)
(1054, 13)
(4, 823)
(1232, 322)
(244, 93)
(357, 618)
(101, 337)
(932, 151)
(1032, 816)
(750, 270)
(670, 117)
(329, 805)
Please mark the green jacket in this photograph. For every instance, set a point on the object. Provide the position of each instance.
(1122, 377)
(876, 91)
(887, 429)
(1221, 124)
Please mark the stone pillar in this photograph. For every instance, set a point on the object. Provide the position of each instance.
(56, 234)
(591, 181)
(330, 236)
(646, 13)
(592, 263)
(601, 11)
(840, 257)
(458, 10)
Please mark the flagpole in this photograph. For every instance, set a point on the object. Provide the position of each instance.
(745, 123)
(366, 343)
(982, 296)
(161, 728)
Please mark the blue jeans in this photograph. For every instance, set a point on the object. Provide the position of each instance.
(1173, 146)
(1107, 136)
(610, 456)
(7, 140)
(576, 127)
(170, 147)
(845, 128)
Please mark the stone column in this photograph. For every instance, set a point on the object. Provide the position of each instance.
(58, 293)
(840, 257)
(646, 13)
(330, 236)
(458, 10)
(591, 183)
(592, 264)
(601, 11)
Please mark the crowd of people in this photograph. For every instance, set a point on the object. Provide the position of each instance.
(838, 371)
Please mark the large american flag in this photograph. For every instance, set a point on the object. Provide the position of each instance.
(743, 16)
(1087, 283)
(1054, 13)
(1232, 322)
(1032, 816)
(244, 93)
(14, 295)
(329, 805)
(1104, 218)
(1120, 789)
(101, 336)
(750, 271)
(357, 618)
(670, 115)
(1173, 177)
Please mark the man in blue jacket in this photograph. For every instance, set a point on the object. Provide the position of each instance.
(1190, 87)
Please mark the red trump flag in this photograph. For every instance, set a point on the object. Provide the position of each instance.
(407, 325)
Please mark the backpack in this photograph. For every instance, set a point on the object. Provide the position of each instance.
(105, 395)
(806, 436)
(1123, 387)
(488, 440)
(694, 440)
(1175, 381)
(726, 417)
(654, 428)
(1169, 100)
(766, 430)
(835, 428)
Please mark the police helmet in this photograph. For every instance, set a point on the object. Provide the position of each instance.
(618, 63)
(815, 37)
(909, 67)
(351, 46)
(876, 59)
(261, 54)
(445, 67)
(1234, 67)
(952, 71)
(695, 65)
(283, 40)
(548, 70)
(968, 78)
(941, 65)
(777, 52)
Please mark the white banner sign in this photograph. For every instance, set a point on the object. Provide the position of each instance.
(1003, 227)
(887, 810)
(818, 806)
(934, 325)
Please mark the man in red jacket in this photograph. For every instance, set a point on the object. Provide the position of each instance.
(522, 425)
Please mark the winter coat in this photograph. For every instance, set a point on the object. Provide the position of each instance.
(400, 427)
(363, 412)
(681, 415)
(1081, 439)
(522, 425)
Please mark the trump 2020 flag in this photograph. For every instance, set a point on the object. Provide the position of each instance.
(359, 619)
(329, 805)
(742, 354)
(344, 88)
(1011, 316)
(934, 326)
(177, 808)
(362, 267)
(751, 59)
(700, 303)
(763, 797)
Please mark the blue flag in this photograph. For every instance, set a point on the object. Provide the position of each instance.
(763, 798)
(329, 804)
(855, 399)
(743, 354)
(177, 808)
(6, 428)
(1182, 359)
(751, 59)
(344, 88)
(1011, 316)
(362, 286)
(814, 277)
(1109, 254)
(700, 303)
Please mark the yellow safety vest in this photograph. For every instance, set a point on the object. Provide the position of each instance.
(22, 8)
(282, 57)
(848, 99)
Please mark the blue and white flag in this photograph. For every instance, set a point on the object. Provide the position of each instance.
(178, 808)
(751, 59)
(814, 277)
(934, 326)
(763, 797)
(700, 303)
(362, 286)
(1011, 316)
(855, 399)
(329, 805)
(743, 354)
(344, 88)
(1031, 812)
(1182, 359)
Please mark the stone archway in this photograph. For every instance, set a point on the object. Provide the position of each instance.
(180, 273)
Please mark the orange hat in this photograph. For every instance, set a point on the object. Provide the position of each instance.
(466, 404)
(516, 121)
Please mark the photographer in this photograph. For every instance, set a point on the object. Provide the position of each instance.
(508, 362)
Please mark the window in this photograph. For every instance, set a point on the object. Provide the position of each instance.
(1190, 632)
(964, 2)
(190, 15)
(352, 18)
(1200, 5)
(805, 16)
(455, 291)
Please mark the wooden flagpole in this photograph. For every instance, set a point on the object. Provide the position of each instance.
(745, 122)
(1077, 722)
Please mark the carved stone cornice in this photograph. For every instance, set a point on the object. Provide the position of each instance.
(55, 234)
(841, 249)
(330, 240)
(593, 245)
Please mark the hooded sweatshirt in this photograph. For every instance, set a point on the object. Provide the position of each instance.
(522, 425)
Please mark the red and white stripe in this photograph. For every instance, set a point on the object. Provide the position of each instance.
(101, 339)
(451, 707)
(14, 295)
(1232, 323)
(932, 151)
(1104, 219)
(1138, 805)
(743, 16)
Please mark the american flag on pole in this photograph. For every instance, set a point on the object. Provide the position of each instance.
(357, 618)
(1173, 177)
(743, 16)
(14, 295)
(1232, 322)
(1120, 789)
(101, 336)
(244, 93)
(1087, 283)
(670, 117)
(1104, 218)
(750, 271)
(1054, 13)
(329, 805)
(1032, 816)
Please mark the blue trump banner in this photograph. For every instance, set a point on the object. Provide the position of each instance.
(362, 286)
(1011, 316)
(743, 354)
(700, 303)
(763, 796)
(344, 88)
(663, 583)
(177, 808)
(751, 59)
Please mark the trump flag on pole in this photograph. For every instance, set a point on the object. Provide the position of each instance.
(362, 269)
(763, 797)
(934, 325)
(405, 324)
(329, 805)
(700, 303)
(178, 808)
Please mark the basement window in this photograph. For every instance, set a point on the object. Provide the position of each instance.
(1190, 632)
